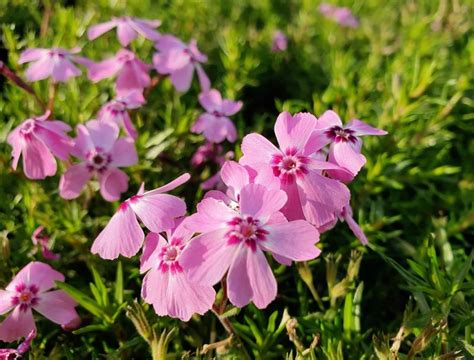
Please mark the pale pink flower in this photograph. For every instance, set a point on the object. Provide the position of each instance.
(132, 73)
(56, 63)
(102, 152)
(165, 285)
(29, 290)
(39, 140)
(179, 61)
(43, 242)
(215, 123)
(279, 41)
(116, 111)
(157, 211)
(342, 15)
(12, 354)
(311, 196)
(345, 149)
(128, 28)
(233, 240)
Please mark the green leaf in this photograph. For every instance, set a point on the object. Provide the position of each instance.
(90, 328)
(118, 294)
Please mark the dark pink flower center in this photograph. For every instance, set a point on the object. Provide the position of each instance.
(338, 134)
(169, 256)
(217, 113)
(98, 160)
(116, 107)
(25, 296)
(289, 166)
(28, 127)
(125, 57)
(247, 230)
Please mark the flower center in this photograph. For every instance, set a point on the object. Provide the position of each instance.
(289, 165)
(247, 230)
(338, 134)
(28, 127)
(98, 160)
(217, 113)
(125, 57)
(25, 296)
(169, 256)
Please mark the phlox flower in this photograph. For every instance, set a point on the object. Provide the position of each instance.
(342, 15)
(56, 63)
(311, 195)
(233, 240)
(102, 153)
(157, 211)
(12, 354)
(207, 152)
(128, 28)
(43, 242)
(279, 41)
(29, 290)
(165, 285)
(132, 73)
(39, 140)
(214, 123)
(346, 144)
(179, 61)
(346, 216)
(115, 111)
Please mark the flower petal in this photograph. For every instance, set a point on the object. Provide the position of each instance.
(294, 131)
(238, 282)
(6, 301)
(262, 280)
(259, 202)
(151, 250)
(112, 184)
(124, 153)
(97, 30)
(36, 273)
(361, 128)
(257, 150)
(182, 78)
(73, 181)
(17, 325)
(57, 306)
(38, 162)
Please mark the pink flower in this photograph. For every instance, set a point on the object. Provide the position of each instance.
(102, 153)
(123, 234)
(54, 62)
(132, 73)
(345, 149)
(214, 123)
(179, 61)
(208, 152)
(165, 285)
(128, 28)
(39, 140)
(116, 111)
(28, 290)
(11, 354)
(342, 15)
(233, 241)
(311, 196)
(43, 242)
(279, 41)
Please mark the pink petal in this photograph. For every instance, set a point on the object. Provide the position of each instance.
(112, 184)
(328, 119)
(230, 107)
(52, 134)
(82, 143)
(129, 128)
(38, 162)
(32, 55)
(203, 79)
(125, 33)
(259, 202)
(168, 42)
(317, 140)
(151, 250)
(207, 257)
(294, 240)
(155, 290)
(235, 176)
(63, 70)
(292, 209)
(361, 128)
(257, 150)
(57, 306)
(17, 325)
(238, 282)
(40, 274)
(293, 132)
(104, 69)
(170, 61)
(132, 77)
(211, 100)
(122, 235)
(266, 177)
(180, 180)
(144, 29)
(97, 30)
(17, 142)
(282, 260)
(6, 301)
(262, 280)
(182, 78)
(40, 69)
(355, 228)
(124, 153)
(217, 129)
(212, 215)
(102, 133)
(73, 181)
(345, 155)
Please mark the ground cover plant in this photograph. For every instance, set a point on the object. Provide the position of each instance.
(252, 179)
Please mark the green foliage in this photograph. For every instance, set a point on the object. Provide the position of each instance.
(407, 69)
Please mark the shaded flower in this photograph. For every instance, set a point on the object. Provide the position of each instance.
(279, 41)
(233, 240)
(132, 73)
(207, 152)
(39, 140)
(342, 15)
(165, 285)
(157, 211)
(43, 242)
(116, 111)
(345, 149)
(12, 354)
(128, 28)
(311, 195)
(102, 153)
(56, 63)
(29, 290)
(214, 123)
(179, 61)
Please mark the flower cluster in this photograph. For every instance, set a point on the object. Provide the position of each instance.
(342, 15)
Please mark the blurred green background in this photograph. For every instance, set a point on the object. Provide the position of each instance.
(407, 69)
